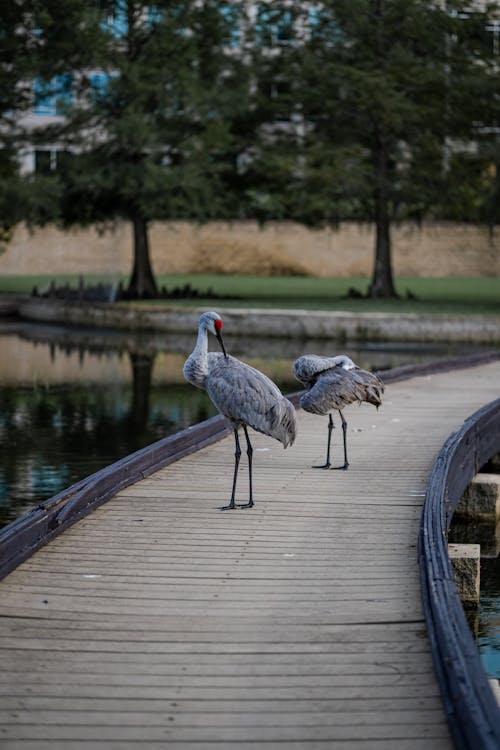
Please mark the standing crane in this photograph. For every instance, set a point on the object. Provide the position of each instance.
(333, 383)
(244, 395)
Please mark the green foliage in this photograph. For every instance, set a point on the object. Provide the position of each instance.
(16, 58)
(383, 88)
(149, 136)
(150, 133)
(15, 69)
(379, 90)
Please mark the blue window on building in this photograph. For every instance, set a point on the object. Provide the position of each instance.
(274, 26)
(314, 19)
(323, 25)
(155, 15)
(117, 23)
(53, 97)
(232, 16)
(99, 84)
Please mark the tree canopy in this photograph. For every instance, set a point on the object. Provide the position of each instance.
(376, 110)
(151, 120)
(382, 89)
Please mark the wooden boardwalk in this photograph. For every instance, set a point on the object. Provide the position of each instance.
(158, 621)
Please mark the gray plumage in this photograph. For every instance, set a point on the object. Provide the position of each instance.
(332, 384)
(244, 395)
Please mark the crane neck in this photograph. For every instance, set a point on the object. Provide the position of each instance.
(196, 367)
(200, 350)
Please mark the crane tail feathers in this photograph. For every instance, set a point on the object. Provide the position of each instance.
(283, 422)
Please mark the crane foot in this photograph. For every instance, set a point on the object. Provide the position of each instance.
(250, 504)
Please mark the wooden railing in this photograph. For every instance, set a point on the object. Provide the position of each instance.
(469, 703)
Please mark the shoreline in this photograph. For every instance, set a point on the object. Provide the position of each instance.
(279, 323)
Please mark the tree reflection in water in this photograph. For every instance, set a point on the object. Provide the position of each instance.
(53, 435)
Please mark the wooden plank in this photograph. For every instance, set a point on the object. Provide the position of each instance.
(428, 743)
(300, 697)
(299, 674)
(194, 707)
(220, 734)
(111, 711)
(385, 744)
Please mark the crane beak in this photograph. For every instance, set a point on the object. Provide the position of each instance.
(221, 342)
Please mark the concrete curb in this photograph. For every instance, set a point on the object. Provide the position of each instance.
(341, 326)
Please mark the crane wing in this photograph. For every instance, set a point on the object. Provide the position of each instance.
(309, 366)
(246, 396)
(334, 389)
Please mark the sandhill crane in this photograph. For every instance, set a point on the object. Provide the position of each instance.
(333, 383)
(244, 395)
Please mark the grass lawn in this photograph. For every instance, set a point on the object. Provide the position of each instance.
(432, 295)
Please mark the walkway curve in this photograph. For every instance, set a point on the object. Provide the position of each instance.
(472, 711)
(158, 619)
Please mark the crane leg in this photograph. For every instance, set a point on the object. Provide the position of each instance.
(326, 465)
(344, 432)
(237, 455)
(249, 454)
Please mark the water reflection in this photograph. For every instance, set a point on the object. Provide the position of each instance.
(275, 352)
(485, 619)
(74, 400)
(488, 639)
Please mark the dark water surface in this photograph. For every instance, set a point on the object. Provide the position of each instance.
(488, 638)
(484, 620)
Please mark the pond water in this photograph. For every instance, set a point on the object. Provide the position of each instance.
(484, 620)
(488, 636)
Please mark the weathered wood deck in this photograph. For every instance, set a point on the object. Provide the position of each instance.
(159, 621)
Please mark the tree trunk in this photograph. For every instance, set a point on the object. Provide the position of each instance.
(382, 284)
(142, 283)
(142, 367)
